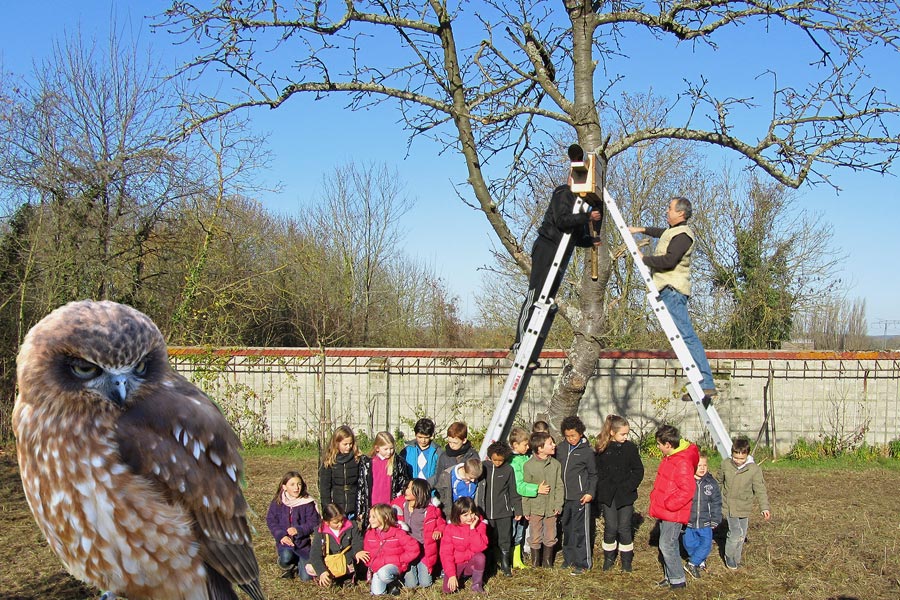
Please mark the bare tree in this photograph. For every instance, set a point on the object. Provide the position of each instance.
(835, 325)
(223, 154)
(532, 65)
(358, 216)
(92, 152)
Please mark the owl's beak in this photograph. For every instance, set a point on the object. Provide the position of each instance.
(120, 383)
(117, 388)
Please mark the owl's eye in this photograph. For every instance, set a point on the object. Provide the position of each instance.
(140, 369)
(83, 369)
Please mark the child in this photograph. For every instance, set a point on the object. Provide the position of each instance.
(500, 502)
(391, 550)
(518, 439)
(382, 477)
(422, 456)
(706, 513)
(292, 517)
(462, 547)
(336, 535)
(459, 449)
(619, 473)
(671, 497)
(542, 510)
(741, 479)
(339, 473)
(458, 481)
(579, 467)
(425, 524)
(542, 426)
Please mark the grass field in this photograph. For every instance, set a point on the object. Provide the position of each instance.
(835, 533)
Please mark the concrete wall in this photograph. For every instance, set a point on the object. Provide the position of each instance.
(278, 393)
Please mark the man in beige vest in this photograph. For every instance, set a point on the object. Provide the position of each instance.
(671, 268)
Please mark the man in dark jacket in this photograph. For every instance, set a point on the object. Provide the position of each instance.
(579, 475)
(558, 221)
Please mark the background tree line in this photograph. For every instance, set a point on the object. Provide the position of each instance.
(103, 198)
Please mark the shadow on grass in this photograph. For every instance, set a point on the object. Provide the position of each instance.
(55, 585)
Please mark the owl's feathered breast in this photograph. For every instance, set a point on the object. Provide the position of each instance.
(109, 526)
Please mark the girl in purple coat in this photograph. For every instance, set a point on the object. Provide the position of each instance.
(292, 518)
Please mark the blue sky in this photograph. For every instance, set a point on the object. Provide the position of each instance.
(453, 238)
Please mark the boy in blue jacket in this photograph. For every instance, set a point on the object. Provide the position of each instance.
(706, 513)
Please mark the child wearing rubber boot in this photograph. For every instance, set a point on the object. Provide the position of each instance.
(619, 472)
(543, 510)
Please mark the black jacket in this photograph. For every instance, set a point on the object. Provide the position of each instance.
(559, 219)
(619, 473)
(497, 495)
(339, 483)
(348, 536)
(579, 469)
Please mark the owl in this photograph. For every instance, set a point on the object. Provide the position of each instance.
(132, 473)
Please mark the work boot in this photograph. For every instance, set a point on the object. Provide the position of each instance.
(548, 555)
(517, 562)
(536, 557)
(504, 563)
(609, 559)
(627, 557)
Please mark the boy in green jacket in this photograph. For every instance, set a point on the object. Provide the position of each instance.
(741, 480)
(543, 509)
(518, 441)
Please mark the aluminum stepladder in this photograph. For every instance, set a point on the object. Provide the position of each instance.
(530, 345)
(709, 416)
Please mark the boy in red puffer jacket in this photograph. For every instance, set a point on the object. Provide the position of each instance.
(671, 498)
(463, 545)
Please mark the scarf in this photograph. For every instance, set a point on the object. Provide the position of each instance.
(294, 502)
(462, 450)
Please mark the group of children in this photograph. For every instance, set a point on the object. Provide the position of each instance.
(688, 503)
(393, 517)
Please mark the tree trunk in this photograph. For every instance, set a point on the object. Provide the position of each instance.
(587, 321)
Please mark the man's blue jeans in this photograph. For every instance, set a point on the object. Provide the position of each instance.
(676, 303)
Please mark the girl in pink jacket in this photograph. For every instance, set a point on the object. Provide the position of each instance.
(390, 550)
(462, 547)
(424, 521)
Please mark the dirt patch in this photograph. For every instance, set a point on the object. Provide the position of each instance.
(835, 534)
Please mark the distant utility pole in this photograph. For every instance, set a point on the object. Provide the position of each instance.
(887, 323)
